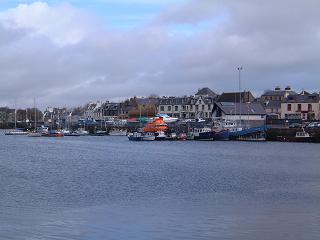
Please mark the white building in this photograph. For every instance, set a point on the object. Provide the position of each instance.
(252, 114)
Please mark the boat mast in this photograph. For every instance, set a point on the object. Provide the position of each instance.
(140, 115)
(35, 113)
(15, 114)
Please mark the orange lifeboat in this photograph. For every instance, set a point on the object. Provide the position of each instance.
(157, 125)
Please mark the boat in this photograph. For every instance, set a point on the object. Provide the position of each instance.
(190, 136)
(166, 118)
(160, 136)
(157, 125)
(203, 134)
(171, 136)
(71, 134)
(182, 137)
(53, 133)
(34, 134)
(118, 132)
(16, 132)
(222, 135)
(82, 132)
(135, 136)
(38, 132)
(149, 136)
(99, 133)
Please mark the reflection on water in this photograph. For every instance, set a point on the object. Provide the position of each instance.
(110, 188)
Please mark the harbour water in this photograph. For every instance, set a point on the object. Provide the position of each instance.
(110, 188)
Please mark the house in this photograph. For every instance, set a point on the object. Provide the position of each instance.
(111, 109)
(246, 96)
(198, 106)
(271, 99)
(179, 107)
(304, 106)
(252, 113)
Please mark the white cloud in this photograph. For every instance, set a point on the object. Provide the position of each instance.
(63, 24)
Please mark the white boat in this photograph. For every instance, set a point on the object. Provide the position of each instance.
(118, 132)
(16, 132)
(65, 131)
(82, 132)
(34, 134)
(167, 118)
(160, 136)
(148, 136)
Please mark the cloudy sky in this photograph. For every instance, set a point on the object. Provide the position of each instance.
(70, 52)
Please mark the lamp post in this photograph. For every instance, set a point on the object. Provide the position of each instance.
(239, 76)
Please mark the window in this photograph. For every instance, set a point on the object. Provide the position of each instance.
(309, 107)
(176, 108)
(161, 108)
(209, 107)
(191, 108)
(169, 108)
(299, 107)
(202, 107)
(289, 107)
(199, 101)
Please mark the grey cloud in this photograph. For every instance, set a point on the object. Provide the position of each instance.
(276, 43)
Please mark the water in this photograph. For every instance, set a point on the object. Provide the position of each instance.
(100, 188)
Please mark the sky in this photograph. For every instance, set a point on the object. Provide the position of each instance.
(67, 53)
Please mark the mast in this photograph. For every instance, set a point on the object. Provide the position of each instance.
(15, 114)
(35, 113)
(140, 115)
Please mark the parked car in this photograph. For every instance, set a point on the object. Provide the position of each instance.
(314, 125)
(189, 120)
(295, 125)
(200, 120)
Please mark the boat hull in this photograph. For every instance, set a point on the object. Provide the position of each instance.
(222, 135)
(205, 136)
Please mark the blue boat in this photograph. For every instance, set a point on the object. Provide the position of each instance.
(222, 135)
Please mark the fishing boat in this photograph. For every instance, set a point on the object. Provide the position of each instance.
(135, 136)
(171, 136)
(160, 136)
(182, 137)
(203, 134)
(149, 136)
(222, 135)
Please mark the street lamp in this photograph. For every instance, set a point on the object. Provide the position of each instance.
(239, 76)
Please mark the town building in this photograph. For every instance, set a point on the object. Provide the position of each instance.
(198, 106)
(304, 106)
(249, 114)
(271, 99)
(246, 96)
